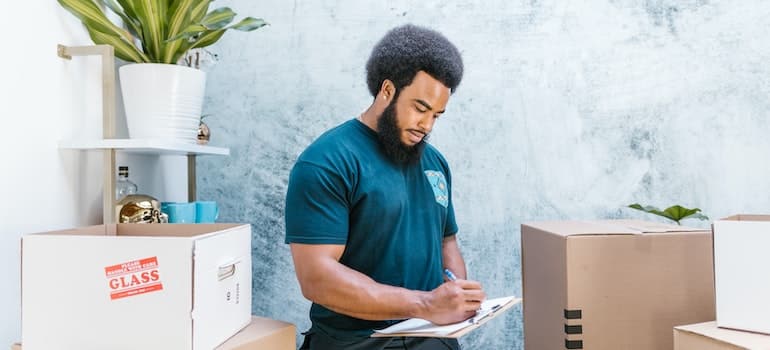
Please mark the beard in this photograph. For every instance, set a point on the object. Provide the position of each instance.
(389, 134)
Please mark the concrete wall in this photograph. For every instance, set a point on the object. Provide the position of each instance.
(568, 110)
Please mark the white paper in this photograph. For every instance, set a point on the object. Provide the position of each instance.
(418, 325)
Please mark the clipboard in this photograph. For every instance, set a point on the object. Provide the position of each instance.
(417, 327)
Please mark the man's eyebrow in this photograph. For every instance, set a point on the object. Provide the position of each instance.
(427, 105)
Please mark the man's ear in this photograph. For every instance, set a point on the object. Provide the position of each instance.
(387, 90)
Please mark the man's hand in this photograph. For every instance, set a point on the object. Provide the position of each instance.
(454, 301)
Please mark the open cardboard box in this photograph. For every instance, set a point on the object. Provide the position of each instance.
(136, 286)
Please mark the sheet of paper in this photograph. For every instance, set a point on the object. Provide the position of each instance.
(418, 325)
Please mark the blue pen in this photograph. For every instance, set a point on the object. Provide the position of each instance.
(451, 276)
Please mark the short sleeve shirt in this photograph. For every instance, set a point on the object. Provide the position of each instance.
(391, 217)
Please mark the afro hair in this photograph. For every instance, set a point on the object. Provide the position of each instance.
(408, 49)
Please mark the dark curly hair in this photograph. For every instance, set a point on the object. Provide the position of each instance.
(408, 49)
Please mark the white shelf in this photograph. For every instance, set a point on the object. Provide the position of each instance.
(146, 146)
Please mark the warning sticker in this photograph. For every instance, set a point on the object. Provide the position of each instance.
(133, 278)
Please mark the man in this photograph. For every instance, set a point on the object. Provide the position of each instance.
(369, 212)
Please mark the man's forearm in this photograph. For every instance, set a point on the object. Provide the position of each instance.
(343, 290)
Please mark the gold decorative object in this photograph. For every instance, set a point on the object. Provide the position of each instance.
(140, 209)
(204, 134)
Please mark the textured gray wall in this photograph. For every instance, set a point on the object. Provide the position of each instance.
(568, 110)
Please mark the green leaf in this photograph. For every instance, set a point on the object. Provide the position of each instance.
(248, 24)
(151, 13)
(133, 25)
(93, 17)
(676, 213)
(180, 18)
(189, 32)
(199, 11)
(208, 38)
(128, 8)
(218, 18)
(123, 50)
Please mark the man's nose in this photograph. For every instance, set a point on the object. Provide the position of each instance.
(426, 123)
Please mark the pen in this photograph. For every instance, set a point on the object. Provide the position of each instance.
(477, 319)
(449, 275)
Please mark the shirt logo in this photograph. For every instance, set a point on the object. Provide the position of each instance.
(439, 185)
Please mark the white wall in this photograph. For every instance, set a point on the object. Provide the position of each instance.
(44, 99)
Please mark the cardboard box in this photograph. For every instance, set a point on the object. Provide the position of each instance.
(263, 334)
(615, 284)
(741, 260)
(136, 286)
(707, 336)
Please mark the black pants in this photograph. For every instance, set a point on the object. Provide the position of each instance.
(320, 341)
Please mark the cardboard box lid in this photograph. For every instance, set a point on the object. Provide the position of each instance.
(607, 227)
(737, 338)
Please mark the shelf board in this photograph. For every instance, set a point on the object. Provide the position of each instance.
(146, 146)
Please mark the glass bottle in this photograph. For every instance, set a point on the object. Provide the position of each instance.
(124, 186)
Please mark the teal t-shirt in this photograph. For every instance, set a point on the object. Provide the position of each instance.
(391, 217)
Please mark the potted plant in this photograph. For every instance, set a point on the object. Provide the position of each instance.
(162, 99)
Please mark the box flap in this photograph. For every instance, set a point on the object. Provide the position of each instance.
(738, 338)
(747, 217)
(607, 227)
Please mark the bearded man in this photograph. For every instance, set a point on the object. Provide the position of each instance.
(369, 213)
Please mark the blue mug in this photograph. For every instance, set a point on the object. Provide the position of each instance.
(179, 213)
(206, 212)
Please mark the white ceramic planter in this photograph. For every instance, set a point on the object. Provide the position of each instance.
(162, 101)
